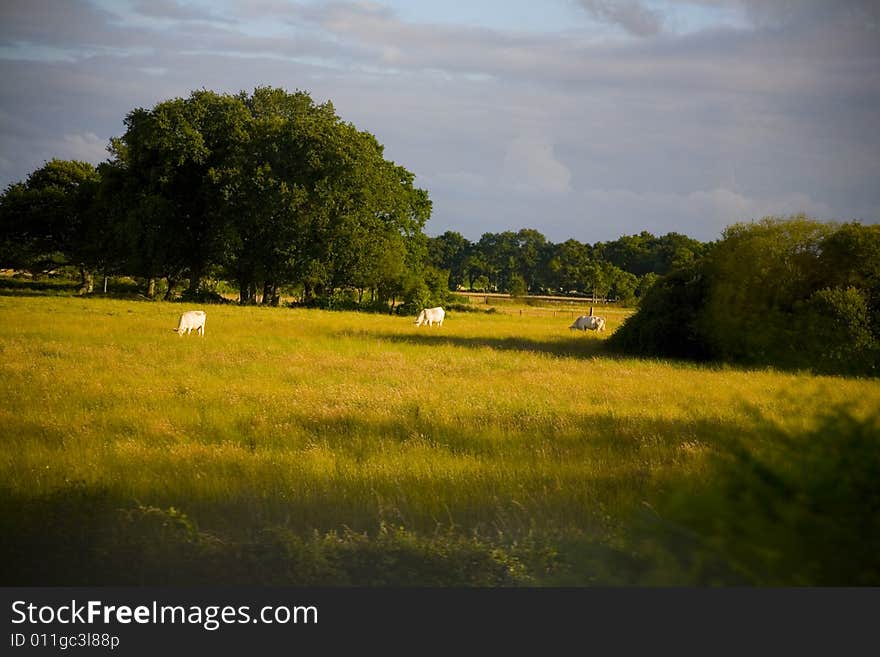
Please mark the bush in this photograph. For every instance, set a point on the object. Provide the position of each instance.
(790, 293)
(667, 323)
(81, 536)
(838, 331)
(790, 510)
(203, 296)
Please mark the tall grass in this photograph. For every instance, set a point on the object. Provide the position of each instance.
(332, 447)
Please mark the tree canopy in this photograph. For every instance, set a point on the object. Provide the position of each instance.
(264, 189)
(526, 261)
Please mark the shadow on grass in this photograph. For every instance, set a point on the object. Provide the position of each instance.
(769, 508)
(577, 346)
(785, 510)
(544, 528)
(13, 287)
(84, 535)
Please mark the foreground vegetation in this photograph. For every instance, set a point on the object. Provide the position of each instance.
(310, 447)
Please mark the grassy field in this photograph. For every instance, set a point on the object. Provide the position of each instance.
(311, 447)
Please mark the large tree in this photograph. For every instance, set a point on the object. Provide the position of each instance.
(272, 187)
(47, 221)
(172, 157)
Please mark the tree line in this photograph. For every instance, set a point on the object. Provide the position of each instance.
(525, 262)
(273, 191)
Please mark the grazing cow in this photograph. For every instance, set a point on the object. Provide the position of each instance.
(589, 323)
(191, 320)
(430, 315)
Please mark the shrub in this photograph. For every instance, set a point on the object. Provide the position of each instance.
(792, 510)
(84, 536)
(838, 331)
(792, 293)
(667, 322)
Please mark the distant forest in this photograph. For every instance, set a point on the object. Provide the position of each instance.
(272, 193)
(524, 262)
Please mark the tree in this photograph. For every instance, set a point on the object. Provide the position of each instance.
(646, 282)
(568, 266)
(761, 270)
(46, 222)
(272, 187)
(623, 286)
(533, 254)
(850, 257)
(450, 251)
(644, 253)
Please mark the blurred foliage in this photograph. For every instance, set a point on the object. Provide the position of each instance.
(787, 510)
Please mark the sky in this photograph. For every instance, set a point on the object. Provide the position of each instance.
(584, 119)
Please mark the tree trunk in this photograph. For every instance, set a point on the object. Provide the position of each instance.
(87, 280)
(169, 293)
(151, 287)
(269, 298)
(270, 294)
(195, 280)
(247, 293)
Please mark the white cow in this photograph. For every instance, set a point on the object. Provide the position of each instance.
(430, 315)
(191, 320)
(588, 322)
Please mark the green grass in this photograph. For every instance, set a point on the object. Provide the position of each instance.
(315, 447)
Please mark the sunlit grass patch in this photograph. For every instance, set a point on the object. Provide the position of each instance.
(505, 430)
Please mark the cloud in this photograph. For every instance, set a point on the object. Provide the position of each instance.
(87, 147)
(76, 23)
(531, 166)
(173, 10)
(581, 133)
(630, 15)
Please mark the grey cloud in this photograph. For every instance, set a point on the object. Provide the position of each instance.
(576, 137)
(57, 24)
(778, 13)
(171, 9)
(631, 15)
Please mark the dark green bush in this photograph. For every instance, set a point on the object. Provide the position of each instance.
(837, 331)
(788, 510)
(667, 323)
(84, 536)
(791, 293)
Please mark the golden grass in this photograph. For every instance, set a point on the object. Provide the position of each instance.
(319, 420)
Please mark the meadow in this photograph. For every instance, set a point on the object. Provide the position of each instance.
(310, 447)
